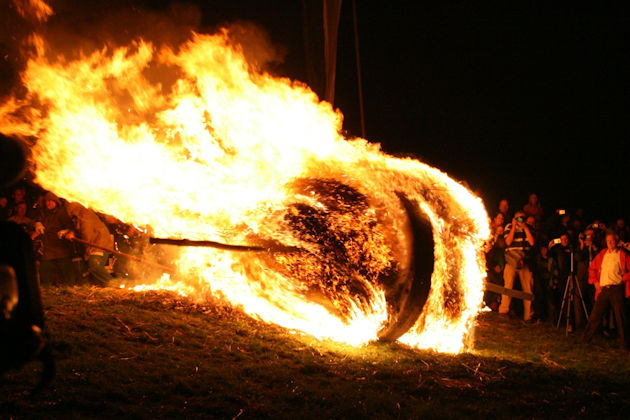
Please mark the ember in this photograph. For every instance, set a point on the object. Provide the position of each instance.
(213, 149)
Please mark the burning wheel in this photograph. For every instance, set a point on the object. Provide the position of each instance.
(351, 249)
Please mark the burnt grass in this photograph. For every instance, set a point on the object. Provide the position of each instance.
(122, 354)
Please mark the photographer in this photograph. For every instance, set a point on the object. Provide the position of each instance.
(599, 233)
(519, 241)
(585, 253)
(560, 254)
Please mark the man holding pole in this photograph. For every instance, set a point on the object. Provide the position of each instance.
(55, 268)
(91, 229)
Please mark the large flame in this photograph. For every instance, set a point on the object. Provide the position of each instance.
(196, 143)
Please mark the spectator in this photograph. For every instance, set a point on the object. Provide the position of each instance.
(560, 254)
(495, 260)
(599, 233)
(621, 230)
(497, 222)
(542, 279)
(4, 208)
(533, 208)
(579, 214)
(565, 224)
(518, 242)
(18, 195)
(504, 209)
(533, 225)
(584, 254)
(56, 262)
(610, 274)
(90, 228)
(19, 217)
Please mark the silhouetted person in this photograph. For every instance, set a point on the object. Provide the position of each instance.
(21, 312)
(560, 254)
(504, 209)
(533, 208)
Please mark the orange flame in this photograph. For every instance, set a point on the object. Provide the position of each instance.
(195, 143)
(37, 10)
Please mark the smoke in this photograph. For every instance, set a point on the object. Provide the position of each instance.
(256, 45)
(75, 29)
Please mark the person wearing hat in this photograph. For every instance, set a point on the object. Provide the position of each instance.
(56, 267)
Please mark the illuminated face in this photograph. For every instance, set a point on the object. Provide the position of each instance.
(611, 242)
(19, 194)
(51, 204)
(503, 206)
(564, 240)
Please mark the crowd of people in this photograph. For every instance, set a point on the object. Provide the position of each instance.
(72, 243)
(571, 266)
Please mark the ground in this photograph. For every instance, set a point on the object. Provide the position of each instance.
(122, 354)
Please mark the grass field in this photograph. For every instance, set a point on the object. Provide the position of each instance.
(122, 354)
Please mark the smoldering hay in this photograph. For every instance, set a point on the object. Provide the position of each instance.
(192, 141)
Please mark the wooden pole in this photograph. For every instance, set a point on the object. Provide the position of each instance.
(275, 247)
(508, 292)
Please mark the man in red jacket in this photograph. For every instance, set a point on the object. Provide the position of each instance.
(610, 273)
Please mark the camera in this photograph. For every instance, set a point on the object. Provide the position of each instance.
(520, 219)
(555, 242)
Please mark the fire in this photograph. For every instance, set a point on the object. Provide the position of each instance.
(37, 10)
(194, 142)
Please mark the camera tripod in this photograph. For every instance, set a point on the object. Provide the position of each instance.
(569, 296)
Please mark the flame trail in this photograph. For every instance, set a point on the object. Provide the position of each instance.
(195, 143)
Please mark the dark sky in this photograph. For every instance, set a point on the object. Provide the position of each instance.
(511, 98)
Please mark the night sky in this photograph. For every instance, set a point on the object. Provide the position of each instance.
(512, 98)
